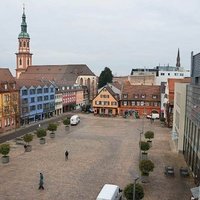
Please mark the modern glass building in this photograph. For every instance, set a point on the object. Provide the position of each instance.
(191, 145)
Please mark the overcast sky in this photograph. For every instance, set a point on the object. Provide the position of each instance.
(119, 34)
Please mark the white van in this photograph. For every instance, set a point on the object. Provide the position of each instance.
(110, 192)
(74, 120)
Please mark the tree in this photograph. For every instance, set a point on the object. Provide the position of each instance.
(5, 149)
(128, 191)
(149, 135)
(28, 138)
(52, 127)
(41, 133)
(146, 166)
(144, 146)
(105, 77)
(66, 121)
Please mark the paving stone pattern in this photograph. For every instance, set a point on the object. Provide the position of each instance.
(101, 150)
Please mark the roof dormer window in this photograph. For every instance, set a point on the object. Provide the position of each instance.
(6, 86)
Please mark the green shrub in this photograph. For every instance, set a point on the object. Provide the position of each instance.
(66, 121)
(41, 133)
(28, 138)
(5, 149)
(52, 127)
(144, 146)
(146, 166)
(149, 135)
(128, 191)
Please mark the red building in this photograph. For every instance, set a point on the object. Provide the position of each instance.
(140, 99)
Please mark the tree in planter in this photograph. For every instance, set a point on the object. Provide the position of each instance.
(4, 150)
(144, 146)
(27, 138)
(149, 135)
(41, 133)
(52, 127)
(128, 191)
(146, 166)
(66, 122)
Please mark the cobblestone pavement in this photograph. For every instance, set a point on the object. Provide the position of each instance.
(101, 150)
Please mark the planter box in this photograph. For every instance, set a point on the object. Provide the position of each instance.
(67, 128)
(144, 156)
(42, 140)
(150, 143)
(28, 148)
(52, 135)
(5, 159)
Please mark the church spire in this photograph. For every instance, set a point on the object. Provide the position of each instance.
(178, 64)
(23, 33)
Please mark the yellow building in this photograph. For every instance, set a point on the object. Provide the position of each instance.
(106, 102)
(9, 101)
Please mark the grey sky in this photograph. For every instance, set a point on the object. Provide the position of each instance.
(119, 34)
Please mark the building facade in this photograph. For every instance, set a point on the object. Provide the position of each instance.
(37, 100)
(140, 99)
(9, 101)
(106, 102)
(191, 144)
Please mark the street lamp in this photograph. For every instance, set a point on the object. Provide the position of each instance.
(135, 179)
(141, 132)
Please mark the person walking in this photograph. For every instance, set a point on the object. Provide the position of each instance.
(66, 155)
(41, 183)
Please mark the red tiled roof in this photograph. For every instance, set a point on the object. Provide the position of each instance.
(6, 76)
(147, 90)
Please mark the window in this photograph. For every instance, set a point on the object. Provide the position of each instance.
(20, 61)
(162, 74)
(52, 96)
(39, 91)
(6, 86)
(52, 89)
(27, 44)
(32, 108)
(39, 106)
(46, 98)
(138, 103)
(24, 44)
(46, 90)
(20, 44)
(133, 103)
(27, 61)
(39, 99)
(6, 109)
(32, 99)
(113, 103)
(24, 92)
(136, 96)
(6, 98)
(143, 96)
(25, 110)
(142, 103)
(24, 101)
(156, 104)
(32, 91)
(154, 96)
(147, 103)
(125, 103)
(125, 96)
(168, 74)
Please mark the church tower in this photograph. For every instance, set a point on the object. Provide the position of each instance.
(23, 57)
(178, 64)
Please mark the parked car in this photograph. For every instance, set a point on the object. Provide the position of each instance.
(74, 120)
(153, 116)
(110, 192)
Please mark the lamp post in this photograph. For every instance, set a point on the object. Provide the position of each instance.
(135, 179)
(141, 132)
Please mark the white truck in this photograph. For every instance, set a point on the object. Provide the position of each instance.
(110, 192)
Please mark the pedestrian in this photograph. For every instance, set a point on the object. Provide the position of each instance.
(25, 146)
(41, 183)
(39, 125)
(66, 155)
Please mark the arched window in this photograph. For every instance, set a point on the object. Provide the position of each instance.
(27, 61)
(24, 44)
(20, 61)
(27, 44)
(20, 44)
(81, 81)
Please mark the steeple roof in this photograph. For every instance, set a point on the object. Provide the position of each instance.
(178, 64)
(23, 33)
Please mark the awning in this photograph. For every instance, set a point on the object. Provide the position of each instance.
(195, 192)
